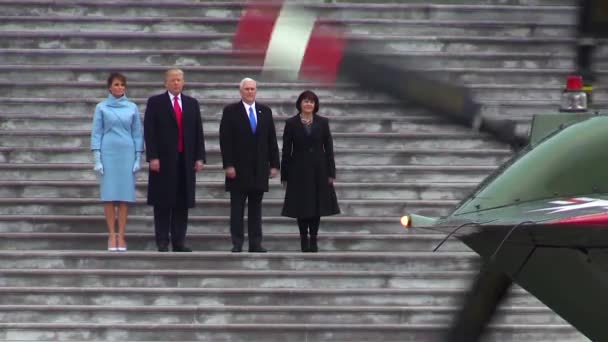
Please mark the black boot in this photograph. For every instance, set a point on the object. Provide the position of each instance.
(314, 229)
(313, 244)
(304, 243)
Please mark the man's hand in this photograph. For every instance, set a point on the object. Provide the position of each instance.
(155, 165)
(199, 165)
(331, 181)
(230, 172)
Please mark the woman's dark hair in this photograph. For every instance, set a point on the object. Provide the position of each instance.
(116, 76)
(307, 95)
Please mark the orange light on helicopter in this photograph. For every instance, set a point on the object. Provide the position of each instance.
(406, 221)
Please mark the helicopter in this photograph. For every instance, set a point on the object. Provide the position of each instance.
(539, 221)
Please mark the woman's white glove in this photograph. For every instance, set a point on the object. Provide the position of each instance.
(98, 165)
(136, 165)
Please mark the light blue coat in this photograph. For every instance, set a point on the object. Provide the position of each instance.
(117, 132)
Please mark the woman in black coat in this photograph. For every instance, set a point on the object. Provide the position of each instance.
(308, 169)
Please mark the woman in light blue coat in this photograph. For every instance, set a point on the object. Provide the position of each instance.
(117, 144)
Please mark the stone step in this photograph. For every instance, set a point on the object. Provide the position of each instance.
(454, 58)
(193, 314)
(371, 124)
(139, 296)
(213, 91)
(232, 9)
(168, 278)
(53, 158)
(220, 207)
(220, 241)
(347, 124)
(86, 23)
(361, 140)
(234, 73)
(338, 124)
(257, 279)
(376, 170)
(196, 224)
(216, 189)
(184, 58)
(454, 28)
(212, 225)
(32, 39)
(208, 91)
(213, 107)
(323, 261)
(275, 332)
(468, 11)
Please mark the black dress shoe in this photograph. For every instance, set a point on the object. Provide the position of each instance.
(181, 249)
(163, 248)
(236, 249)
(258, 249)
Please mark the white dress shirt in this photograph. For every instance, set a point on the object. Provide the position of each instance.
(255, 112)
(179, 100)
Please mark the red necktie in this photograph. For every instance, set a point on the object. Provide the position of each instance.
(180, 127)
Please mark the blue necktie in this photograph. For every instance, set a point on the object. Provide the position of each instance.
(252, 122)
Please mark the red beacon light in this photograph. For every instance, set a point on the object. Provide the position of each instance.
(574, 98)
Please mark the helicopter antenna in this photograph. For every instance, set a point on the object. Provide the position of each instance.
(454, 231)
(493, 256)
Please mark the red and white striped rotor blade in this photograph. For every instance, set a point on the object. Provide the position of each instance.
(294, 44)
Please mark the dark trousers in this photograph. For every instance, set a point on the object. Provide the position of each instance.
(309, 225)
(254, 218)
(309, 228)
(170, 223)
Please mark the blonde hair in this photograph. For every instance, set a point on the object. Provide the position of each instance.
(174, 71)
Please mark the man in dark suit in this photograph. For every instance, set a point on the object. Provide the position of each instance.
(175, 149)
(250, 154)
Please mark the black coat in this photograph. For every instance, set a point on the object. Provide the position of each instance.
(252, 155)
(160, 133)
(306, 165)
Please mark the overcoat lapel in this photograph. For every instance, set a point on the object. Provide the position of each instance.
(244, 118)
(170, 110)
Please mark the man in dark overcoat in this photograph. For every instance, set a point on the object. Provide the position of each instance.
(250, 155)
(175, 149)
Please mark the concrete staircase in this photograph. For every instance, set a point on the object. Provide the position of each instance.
(372, 281)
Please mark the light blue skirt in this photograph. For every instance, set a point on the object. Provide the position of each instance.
(118, 180)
